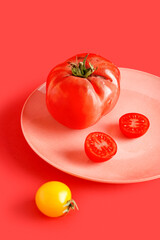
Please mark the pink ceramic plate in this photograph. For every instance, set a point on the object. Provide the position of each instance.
(136, 160)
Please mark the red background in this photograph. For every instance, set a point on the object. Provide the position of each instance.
(35, 36)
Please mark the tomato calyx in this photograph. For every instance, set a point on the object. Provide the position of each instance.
(71, 204)
(80, 70)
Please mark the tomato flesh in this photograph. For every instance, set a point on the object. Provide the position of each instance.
(100, 147)
(133, 125)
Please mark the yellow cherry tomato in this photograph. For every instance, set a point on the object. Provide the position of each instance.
(54, 199)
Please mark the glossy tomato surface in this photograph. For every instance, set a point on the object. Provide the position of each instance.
(100, 147)
(134, 125)
(52, 197)
(79, 101)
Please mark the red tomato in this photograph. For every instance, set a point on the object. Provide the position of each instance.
(100, 147)
(82, 90)
(133, 125)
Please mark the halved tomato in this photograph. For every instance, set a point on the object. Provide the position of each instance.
(100, 147)
(133, 125)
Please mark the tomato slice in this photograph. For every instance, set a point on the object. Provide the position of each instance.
(133, 125)
(100, 147)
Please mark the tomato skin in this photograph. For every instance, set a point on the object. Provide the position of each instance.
(51, 198)
(100, 147)
(133, 125)
(78, 102)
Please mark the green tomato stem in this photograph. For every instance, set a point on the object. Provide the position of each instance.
(71, 204)
(80, 70)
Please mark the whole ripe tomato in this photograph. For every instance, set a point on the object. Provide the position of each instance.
(54, 199)
(82, 89)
